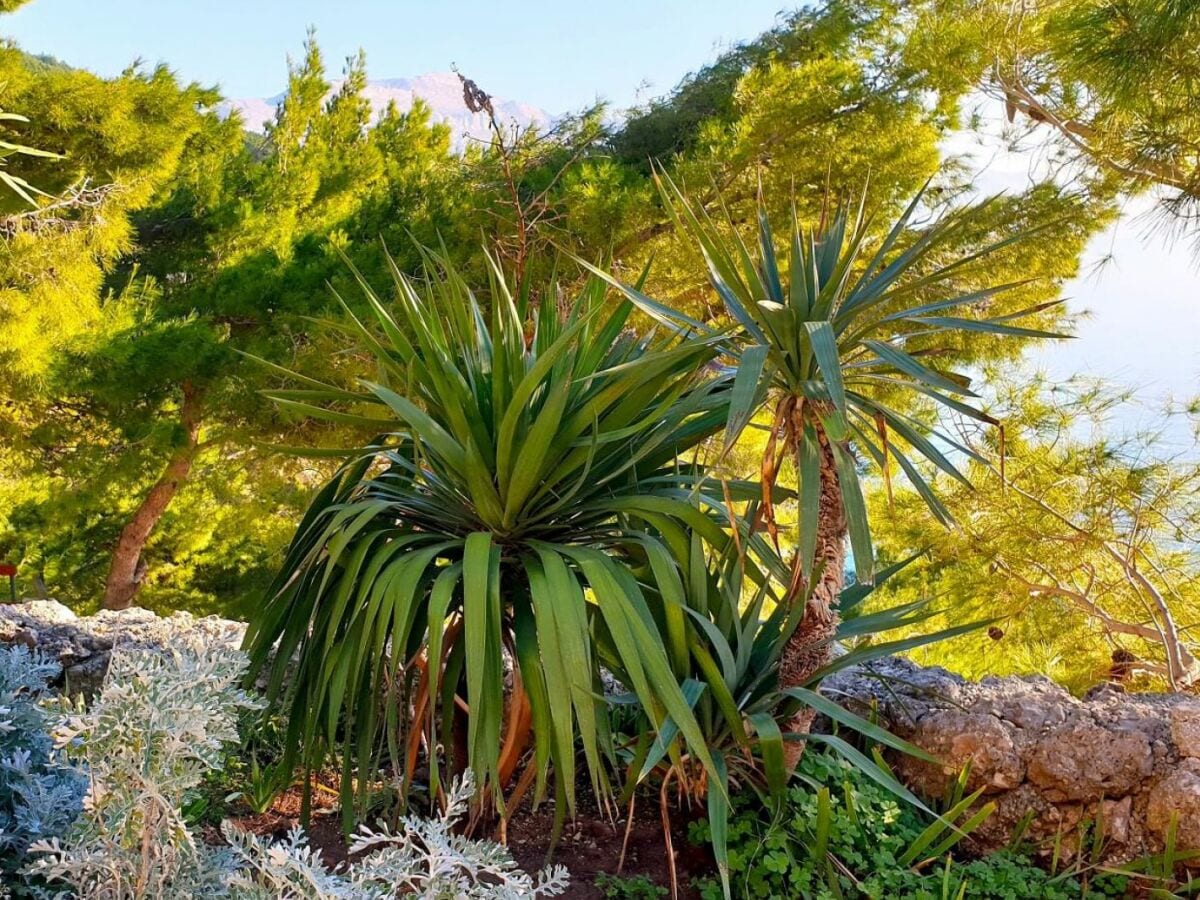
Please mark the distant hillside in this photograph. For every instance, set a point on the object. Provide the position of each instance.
(43, 62)
(441, 90)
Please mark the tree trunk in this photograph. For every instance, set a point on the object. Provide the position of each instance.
(126, 571)
(810, 647)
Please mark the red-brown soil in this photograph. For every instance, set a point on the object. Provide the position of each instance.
(589, 846)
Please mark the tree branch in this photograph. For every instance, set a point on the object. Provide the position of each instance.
(1083, 137)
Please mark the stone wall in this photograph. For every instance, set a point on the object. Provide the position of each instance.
(82, 645)
(1129, 762)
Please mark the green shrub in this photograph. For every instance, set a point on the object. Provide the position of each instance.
(637, 887)
(731, 676)
(867, 836)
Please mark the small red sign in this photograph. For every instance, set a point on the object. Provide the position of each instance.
(7, 571)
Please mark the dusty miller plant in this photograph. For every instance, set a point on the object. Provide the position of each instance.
(423, 858)
(160, 723)
(40, 792)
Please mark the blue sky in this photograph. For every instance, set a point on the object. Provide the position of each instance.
(1144, 328)
(556, 55)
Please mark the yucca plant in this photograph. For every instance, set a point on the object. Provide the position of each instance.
(823, 326)
(741, 630)
(528, 493)
(8, 149)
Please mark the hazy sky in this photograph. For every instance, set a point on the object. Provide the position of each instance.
(557, 55)
(1139, 286)
(1144, 330)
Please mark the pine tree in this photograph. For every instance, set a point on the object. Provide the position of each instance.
(1113, 82)
(134, 462)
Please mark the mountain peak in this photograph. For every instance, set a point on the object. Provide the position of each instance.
(441, 91)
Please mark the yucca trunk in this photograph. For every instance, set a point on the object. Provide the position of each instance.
(125, 571)
(810, 647)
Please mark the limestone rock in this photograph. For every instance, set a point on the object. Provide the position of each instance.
(1117, 814)
(1087, 762)
(958, 738)
(1176, 797)
(1052, 762)
(1185, 728)
(82, 644)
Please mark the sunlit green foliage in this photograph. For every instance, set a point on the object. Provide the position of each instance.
(842, 334)
(55, 261)
(1084, 555)
(1112, 81)
(55, 294)
(224, 256)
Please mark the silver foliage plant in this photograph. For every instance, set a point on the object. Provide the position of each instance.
(159, 724)
(40, 792)
(164, 720)
(422, 859)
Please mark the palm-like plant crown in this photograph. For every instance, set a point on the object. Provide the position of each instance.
(826, 331)
(528, 490)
